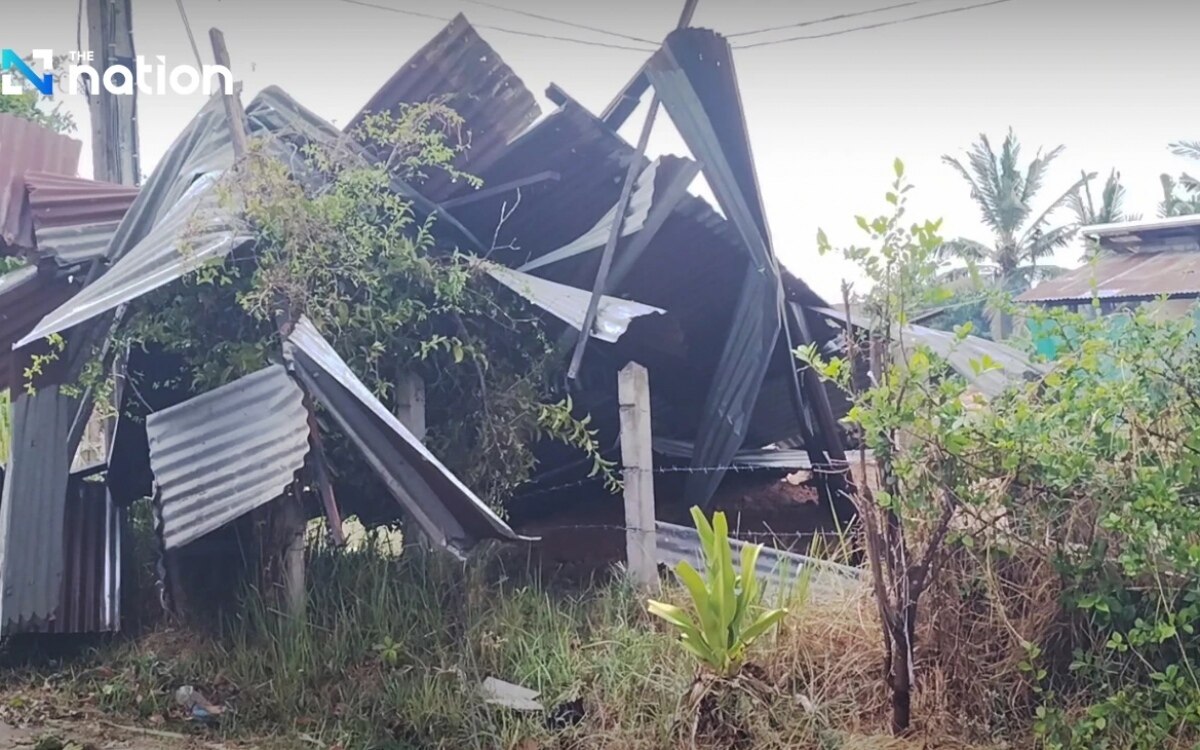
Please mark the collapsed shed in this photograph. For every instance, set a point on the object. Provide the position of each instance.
(720, 352)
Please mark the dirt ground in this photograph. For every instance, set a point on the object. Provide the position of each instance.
(83, 734)
(586, 531)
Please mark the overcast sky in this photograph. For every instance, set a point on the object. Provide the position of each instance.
(1112, 81)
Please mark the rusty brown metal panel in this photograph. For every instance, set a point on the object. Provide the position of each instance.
(460, 66)
(26, 295)
(57, 200)
(27, 147)
(1128, 276)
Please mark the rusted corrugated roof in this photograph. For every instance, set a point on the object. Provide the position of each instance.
(459, 65)
(74, 220)
(223, 453)
(27, 147)
(1128, 276)
(63, 201)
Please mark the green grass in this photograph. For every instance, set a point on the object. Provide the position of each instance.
(390, 654)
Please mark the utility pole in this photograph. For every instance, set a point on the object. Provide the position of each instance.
(113, 117)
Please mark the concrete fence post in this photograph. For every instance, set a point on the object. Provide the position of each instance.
(637, 459)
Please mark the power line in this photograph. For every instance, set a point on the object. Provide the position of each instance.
(502, 29)
(191, 37)
(881, 24)
(563, 22)
(827, 19)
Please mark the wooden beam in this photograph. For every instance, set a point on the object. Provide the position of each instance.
(614, 235)
(664, 204)
(494, 190)
(233, 102)
(333, 516)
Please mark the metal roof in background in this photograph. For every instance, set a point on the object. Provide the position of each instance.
(569, 304)
(1125, 275)
(1173, 234)
(1012, 366)
(445, 508)
(224, 453)
(459, 66)
(33, 508)
(28, 147)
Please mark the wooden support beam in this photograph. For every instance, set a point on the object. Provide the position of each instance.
(320, 469)
(637, 459)
(664, 204)
(610, 247)
(233, 102)
(494, 190)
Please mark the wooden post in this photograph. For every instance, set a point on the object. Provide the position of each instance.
(113, 118)
(410, 403)
(637, 458)
(233, 103)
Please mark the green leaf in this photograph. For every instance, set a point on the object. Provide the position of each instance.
(762, 624)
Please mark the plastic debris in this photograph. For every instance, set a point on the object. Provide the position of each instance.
(196, 705)
(500, 693)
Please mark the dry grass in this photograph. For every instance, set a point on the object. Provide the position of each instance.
(324, 678)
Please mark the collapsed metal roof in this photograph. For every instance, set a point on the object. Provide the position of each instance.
(226, 452)
(569, 304)
(458, 67)
(449, 513)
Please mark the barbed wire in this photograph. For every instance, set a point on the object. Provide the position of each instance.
(832, 468)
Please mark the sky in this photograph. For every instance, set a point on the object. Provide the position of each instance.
(1112, 81)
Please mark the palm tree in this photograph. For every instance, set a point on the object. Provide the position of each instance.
(1181, 196)
(1005, 196)
(1110, 211)
(1112, 203)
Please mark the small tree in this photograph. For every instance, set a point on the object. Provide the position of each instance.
(912, 416)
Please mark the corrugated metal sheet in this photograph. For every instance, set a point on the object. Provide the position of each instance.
(460, 66)
(63, 201)
(27, 147)
(449, 513)
(177, 221)
(777, 568)
(569, 304)
(1012, 366)
(636, 214)
(1173, 234)
(757, 458)
(26, 295)
(1123, 275)
(90, 596)
(224, 453)
(33, 508)
(74, 219)
(75, 245)
(195, 230)
(693, 75)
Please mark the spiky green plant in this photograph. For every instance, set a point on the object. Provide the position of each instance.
(727, 616)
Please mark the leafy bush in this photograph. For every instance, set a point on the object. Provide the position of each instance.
(728, 617)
